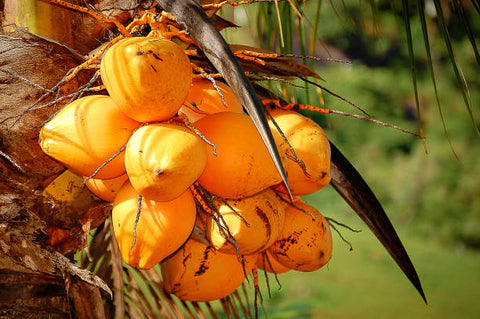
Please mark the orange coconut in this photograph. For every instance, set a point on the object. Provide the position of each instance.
(147, 77)
(305, 242)
(242, 165)
(106, 189)
(163, 160)
(162, 227)
(203, 99)
(267, 262)
(254, 223)
(311, 145)
(196, 272)
(86, 133)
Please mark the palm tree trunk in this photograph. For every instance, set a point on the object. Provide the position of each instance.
(39, 234)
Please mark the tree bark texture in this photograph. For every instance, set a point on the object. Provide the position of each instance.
(38, 234)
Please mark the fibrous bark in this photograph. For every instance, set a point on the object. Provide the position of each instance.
(37, 276)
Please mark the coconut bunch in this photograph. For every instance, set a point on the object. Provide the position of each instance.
(175, 153)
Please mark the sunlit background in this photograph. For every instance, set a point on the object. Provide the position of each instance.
(432, 199)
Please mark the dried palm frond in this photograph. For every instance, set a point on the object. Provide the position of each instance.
(140, 293)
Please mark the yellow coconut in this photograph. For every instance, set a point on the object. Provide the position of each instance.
(305, 242)
(163, 160)
(311, 145)
(253, 222)
(162, 227)
(147, 77)
(196, 272)
(106, 189)
(242, 165)
(203, 99)
(87, 133)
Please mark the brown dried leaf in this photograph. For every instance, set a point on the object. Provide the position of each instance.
(259, 61)
(221, 23)
(251, 57)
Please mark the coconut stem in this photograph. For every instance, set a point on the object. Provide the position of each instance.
(137, 218)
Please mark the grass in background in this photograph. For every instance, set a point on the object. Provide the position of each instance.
(366, 283)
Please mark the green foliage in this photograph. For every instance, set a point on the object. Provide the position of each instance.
(436, 194)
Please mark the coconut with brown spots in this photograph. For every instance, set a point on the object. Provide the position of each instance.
(305, 242)
(196, 272)
(254, 223)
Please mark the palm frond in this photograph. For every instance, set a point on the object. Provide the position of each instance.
(375, 17)
(456, 67)
(313, 34)
(421, 13)
(476, 4)
(140, 293)
(280, 29)
(337, 14)
(408, 32)
(303, 47)
(340, 11)
(460, 9)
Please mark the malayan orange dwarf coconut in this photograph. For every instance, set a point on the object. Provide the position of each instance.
(267, 262)
(147, 77)
(163, 160)
(161, 229)
(86, 134)
(254, 223)
(105, 189)
(203, 99)
(305, 242)
(196, 272)
(311, 145)
(241, 165)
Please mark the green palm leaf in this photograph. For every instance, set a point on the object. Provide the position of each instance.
(456, 67)
(342, 14)
(421, 13)
(408, 32)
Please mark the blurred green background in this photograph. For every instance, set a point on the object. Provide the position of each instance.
(432, 199)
